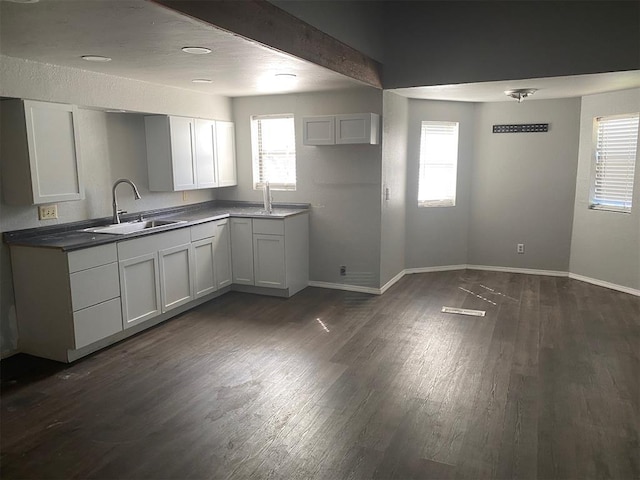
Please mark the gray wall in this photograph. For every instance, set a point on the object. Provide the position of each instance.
(446, 42)
(605, 245)
(342, 183)
(437, 236)
(523, 185)
(112, 146)
(394, 177)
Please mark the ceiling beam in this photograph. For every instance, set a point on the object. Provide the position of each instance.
(263, 22)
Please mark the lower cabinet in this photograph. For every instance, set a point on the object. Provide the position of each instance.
(155, 275)
(271, 253)
(204, 267)
(222, 253)
(65, 300)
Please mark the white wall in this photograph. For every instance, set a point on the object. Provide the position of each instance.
(605, 245)
(437, 236)
(394, 177)
(341, 182)
(523, 185)
(112, 146)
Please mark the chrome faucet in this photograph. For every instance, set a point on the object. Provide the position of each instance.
(116, 212)
(266, 196)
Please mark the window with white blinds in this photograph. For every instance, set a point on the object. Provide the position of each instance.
(616, 146)
(274, 151)
(438, 164)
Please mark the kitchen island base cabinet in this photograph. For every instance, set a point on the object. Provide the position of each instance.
(74, 304)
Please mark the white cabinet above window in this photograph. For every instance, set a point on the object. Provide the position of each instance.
(189, 153)
(40, 153)
(357, 128)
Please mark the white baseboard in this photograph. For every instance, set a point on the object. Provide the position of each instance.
(527, 271)
(490, 268)
(602, 283)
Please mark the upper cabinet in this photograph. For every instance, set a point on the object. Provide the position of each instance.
(187, 153)
(40, 153)
(357, 128)
(225, 148)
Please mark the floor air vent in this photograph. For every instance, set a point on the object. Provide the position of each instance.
(464, 311)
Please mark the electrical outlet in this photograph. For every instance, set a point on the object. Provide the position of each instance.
(343, 270)
(520, 248)
(47, 212)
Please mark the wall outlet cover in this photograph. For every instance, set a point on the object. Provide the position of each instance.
(47, 212)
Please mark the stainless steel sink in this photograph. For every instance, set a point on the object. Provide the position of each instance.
(132, 227)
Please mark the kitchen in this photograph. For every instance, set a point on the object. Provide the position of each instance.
(350, 223)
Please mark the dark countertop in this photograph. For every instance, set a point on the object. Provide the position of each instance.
(70, 236)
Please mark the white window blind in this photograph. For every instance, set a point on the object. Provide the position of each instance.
(274, 152)
(616, 146)
(438, 164)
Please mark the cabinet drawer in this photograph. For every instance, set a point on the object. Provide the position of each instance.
(92, 257)
(94, 285)
(97, 322)
(268, 227)
(204, 230)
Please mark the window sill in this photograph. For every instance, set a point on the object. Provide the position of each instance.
(609, 208)
(436, 203)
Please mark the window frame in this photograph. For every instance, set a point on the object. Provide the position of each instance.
(606, 207)
(258, 182)
(444, 202)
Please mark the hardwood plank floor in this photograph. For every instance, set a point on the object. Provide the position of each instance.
(341, 385)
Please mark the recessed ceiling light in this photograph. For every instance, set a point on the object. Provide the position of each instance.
(96, 58)
(196, 50)
(201, 80)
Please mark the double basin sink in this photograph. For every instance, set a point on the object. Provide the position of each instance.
(133, 227)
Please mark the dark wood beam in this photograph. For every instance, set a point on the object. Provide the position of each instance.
(263, 22)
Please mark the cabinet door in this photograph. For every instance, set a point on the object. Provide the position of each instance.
(176, 280)
(222, 254)
(205, 155)
(357, 128)
(140, 289)
(319, 130)
(183, 156)
(269, 261)
(204, 267)
(242, 250)
(41, 141)
(225, 152)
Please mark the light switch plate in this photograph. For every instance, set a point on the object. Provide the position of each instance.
(47, 212)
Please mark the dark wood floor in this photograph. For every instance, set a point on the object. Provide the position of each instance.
(337, 385)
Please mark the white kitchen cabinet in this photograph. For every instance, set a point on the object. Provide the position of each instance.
(204, 269)
(320, 130)
(189, 153)
(171, 153)
(40, 152)
(206, 168)
(242, 251)
(140, 288)
(357, 128)
(146, 293)
(78, 300)
(176, 276)
(225, 148)
(222, 254)
(269, 261)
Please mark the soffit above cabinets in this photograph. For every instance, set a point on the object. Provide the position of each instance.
(144, 41)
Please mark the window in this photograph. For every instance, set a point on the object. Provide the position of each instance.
(616, 146)
(438, 164)
(274, 151)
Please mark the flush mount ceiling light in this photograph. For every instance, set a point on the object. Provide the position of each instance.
(96, 58)
(201, 80)
(520, 93)
(196, 50)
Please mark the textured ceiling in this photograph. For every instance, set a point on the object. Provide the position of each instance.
(144, 41)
